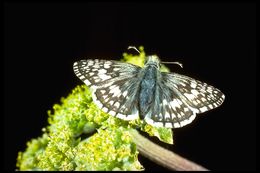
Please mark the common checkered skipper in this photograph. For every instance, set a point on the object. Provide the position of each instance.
(162, 99)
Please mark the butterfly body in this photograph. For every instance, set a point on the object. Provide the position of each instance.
(162, 99)
(147, 89)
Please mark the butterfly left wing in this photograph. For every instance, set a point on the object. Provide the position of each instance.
(179, 99)
(113, 85)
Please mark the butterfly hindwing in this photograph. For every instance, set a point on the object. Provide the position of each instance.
(169, 110)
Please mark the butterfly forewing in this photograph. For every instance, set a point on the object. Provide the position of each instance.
(196, 94)
(113, 85)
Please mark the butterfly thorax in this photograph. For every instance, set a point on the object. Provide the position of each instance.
(148, 85)
(152, 60)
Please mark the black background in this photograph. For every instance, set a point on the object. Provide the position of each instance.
(215, 42)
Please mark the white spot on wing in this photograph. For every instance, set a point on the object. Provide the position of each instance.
(209, 89)
(123, 107)
(133, 116)
(113, 113)
(174, 104)
(193, 85)
(108, 62)
(186, 109)
(195, 92)
(149, 121)
(183, 84)
(157, 124)
(121, 116)
(106, 65)
(87, 82)
(124, 93)
(117, 104)
(173, 115)
(203, 109)
(104, 76)
(175, 86)
(176, 125)
(96, 66)
(82, 77)
(98, 103)
(192, 117)
(115, 90)
(116, 69)
(160, 117)
(103, 91)
(102, 71)
(164, 102)
(104, 109)
(91, 74)
(106, 100)
(189, 96)
(203, 99)
(128, 117)
(168, 125)
(185, 122)
(112, 86)
(86, 68)
(180, 115)
(215, 91)
(111, 102)
(167, 115)
(90, 63)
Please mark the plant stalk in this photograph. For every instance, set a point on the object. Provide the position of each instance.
(163, 156)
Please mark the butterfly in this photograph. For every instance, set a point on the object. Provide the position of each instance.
(161, 99)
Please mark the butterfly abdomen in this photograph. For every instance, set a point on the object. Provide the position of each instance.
(147, 90)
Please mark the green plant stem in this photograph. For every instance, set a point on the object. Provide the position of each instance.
(162, 156)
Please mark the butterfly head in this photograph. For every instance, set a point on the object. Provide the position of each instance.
(152, 60)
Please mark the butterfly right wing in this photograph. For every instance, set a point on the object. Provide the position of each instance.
(196, 94)
(180, 98)
(113, 85)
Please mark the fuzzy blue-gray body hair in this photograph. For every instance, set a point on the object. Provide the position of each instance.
(148, 85)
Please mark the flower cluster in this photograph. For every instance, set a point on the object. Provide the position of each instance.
(82, 137)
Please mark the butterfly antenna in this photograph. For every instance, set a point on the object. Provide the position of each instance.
(133, 47)
(178, 63)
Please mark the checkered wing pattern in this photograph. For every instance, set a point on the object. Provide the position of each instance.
(180, 98)
(113, 85)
